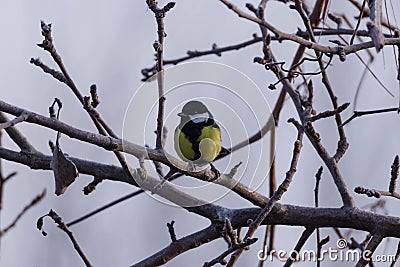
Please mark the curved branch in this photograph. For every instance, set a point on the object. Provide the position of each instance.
(111, 143)
(309, 44)
(180, 246)
(288, 215)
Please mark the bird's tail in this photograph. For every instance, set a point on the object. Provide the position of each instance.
(223, 153)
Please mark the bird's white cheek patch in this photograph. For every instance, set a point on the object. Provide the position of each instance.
(198, 118)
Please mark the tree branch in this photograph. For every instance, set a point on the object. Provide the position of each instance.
(180, 246)
(34, 201)
(309, 44)
(303, 238)
(19, 139)
(159, 48)
(59, 221)
(275, 197)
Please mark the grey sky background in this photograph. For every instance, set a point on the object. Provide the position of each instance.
(108, 43)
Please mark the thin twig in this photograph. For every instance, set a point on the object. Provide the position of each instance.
(1, 179)
(148, 72)
(234, 238)
(367, 68)
(397, 256)
(371, 247)
(331, 162)
(314, 18)
(171, 231)
(375, 24)
(60, 223)
(19, 139)
(316, 203)
(92, 186)
(309, 44)
(314, 137)
(329, 113)
(342, 144)
(357, 114)
(113, 203)
(215, 50)
(269, 126)
(264, 249)
(366, 13)
(394, 174)
(294, 215)
(181, 245)
(375, 192)
(302, 240)
(94, 96)
(358, 21)
(19, 119)
(34, 201)
(98, 210)
(159, 48)
(275, 197)
(101, 125)
(221, 258)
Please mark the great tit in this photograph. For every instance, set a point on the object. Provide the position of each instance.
(198, 136)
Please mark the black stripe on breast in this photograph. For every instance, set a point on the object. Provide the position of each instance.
(193, 131)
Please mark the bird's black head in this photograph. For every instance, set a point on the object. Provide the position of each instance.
(195, 111)
(194, 107)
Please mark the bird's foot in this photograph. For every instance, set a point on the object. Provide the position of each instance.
(216, 172)
(191, 166)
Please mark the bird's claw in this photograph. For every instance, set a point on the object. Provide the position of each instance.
(216, 172)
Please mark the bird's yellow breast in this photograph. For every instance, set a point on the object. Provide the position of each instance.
(183, 146)
(208, 143)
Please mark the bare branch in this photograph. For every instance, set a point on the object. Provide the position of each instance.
(94, 96)
(309, 44)
(392, 185)
(101, 125)
(362, 8)
(34, 201)
(159, 48)
(221, 258)
(171, 231)
(20, 118)
(303, 238)
(397, 256)
(374, 25)
(181, 245)
(111, 204)
(313, 136)
(327, 114)
(316, 202)
(215, 50)
(56, 74)
(372, 245)
(368, 112)
(114, 202)
(275, 197)
(110, 143)
(19, 139)
(148, 72)
(92, 185)
(394, 174)
(59, 221)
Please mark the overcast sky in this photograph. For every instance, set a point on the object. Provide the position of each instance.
(108, 43)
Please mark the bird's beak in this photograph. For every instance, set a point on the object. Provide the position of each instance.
(181, 114)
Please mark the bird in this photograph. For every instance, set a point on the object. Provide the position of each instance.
(197, 138)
